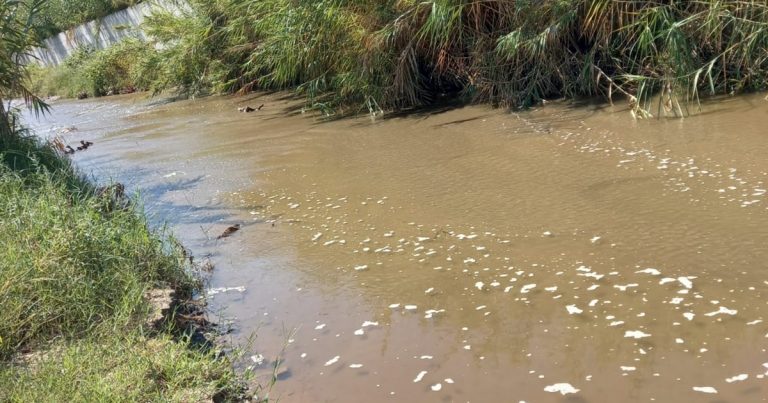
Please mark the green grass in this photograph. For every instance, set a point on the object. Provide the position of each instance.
(73, 272)
(124, 368)
(76, 262)
(70, 264)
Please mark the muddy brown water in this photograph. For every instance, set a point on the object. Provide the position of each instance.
(466, 254)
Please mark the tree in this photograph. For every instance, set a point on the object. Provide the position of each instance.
(17, 38)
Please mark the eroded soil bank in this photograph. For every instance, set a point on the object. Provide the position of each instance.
(465, 254)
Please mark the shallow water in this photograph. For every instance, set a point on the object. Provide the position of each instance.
(497, 255)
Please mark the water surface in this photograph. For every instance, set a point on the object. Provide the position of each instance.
(467, 254)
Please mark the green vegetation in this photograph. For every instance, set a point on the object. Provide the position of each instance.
(398, 54)
(129, 368)
(124, 67)
(60, 15)
(75, 266)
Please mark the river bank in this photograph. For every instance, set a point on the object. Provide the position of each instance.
(77, 264)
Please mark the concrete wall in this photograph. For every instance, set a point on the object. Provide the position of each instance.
(100, 34)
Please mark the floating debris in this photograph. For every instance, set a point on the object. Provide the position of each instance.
(355, 365)
(436, 387)
(229, 231)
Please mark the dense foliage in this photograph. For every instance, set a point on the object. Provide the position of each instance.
(16, 39)
(60, 15)
(396, 54)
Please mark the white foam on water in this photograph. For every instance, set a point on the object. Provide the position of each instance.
(368, 323)
(650, 271)
(257, 359)
(359, 332)
(722, 310)
(419, 376)
(436, 387)
(332, 361)
(526, 288)
(636, 334)
(689, 315)
(320, 326)
(737, 378)
(686, 282)
(705, 389)
(355, 365)
(573, 309)
(219, 290)
(562, 388)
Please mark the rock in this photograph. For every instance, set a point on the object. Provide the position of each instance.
(82, 95)
(162, 302)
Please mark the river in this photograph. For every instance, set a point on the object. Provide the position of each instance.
(463, 254)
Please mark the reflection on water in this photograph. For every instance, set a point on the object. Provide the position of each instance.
(561, 254)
